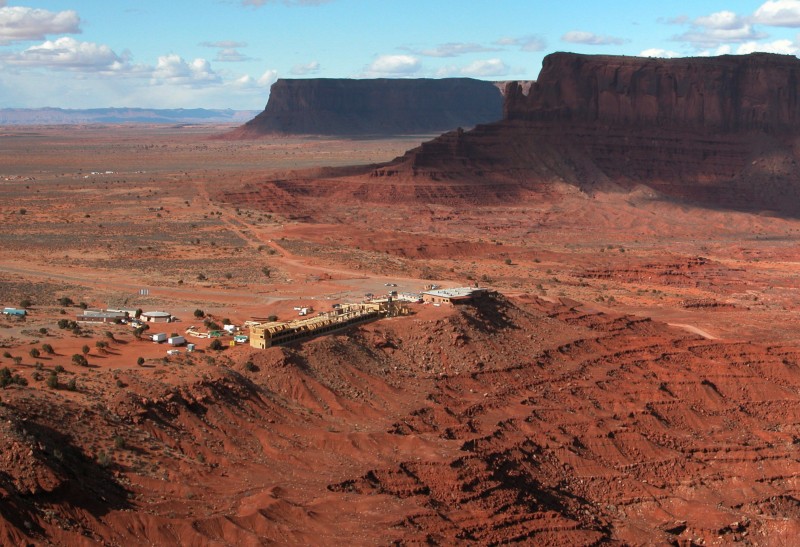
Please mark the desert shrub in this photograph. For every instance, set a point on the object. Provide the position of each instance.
(59, 369)
(85, 349)
(48, 349)
(272, 318)
(38, 365)
(80, 360)
(25, 303)
(43, 330)
(65, 301)
(119, 442)
(250, 366)
(140, 361)
(7, 354)
(34, 353)
(103, 459)
(216, 344)
(37, 376)
(72, 384)
(199, 313)
(6, 378)
(63, 323)
(52, 380)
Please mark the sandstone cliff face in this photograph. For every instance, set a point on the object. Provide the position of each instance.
(722, 132)
(728, 93)
(376, 106)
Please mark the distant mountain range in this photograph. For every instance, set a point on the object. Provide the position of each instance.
(58, 116)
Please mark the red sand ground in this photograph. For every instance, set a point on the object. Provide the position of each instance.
(566, 412)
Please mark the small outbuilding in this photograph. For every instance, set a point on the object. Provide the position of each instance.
(15, 311)
(159, 337)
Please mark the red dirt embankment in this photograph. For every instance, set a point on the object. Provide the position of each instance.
(513, 420)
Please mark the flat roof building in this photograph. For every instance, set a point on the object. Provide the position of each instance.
(99, 316)
(457, 295)
(155, 317)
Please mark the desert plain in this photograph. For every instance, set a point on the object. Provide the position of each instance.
(633, 378)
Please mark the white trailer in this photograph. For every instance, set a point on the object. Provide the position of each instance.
(176, 341)
(160, 337)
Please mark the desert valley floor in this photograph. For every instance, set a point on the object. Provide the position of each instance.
(634, 379)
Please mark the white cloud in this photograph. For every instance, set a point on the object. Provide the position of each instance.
(176, 70)
(68, 54)
(230, 55)
(526, 43)
(724, 20)
(454, 49)
(225, 44)
(719, 28)
(589, 38)
(308, 68)
(486, 68)
(268, 78)
(779, 13)
(656, 52)
(786, 47)
(20, 23)
(259, 3)
(394, 65)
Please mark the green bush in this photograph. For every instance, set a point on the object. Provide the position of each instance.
(52, 380)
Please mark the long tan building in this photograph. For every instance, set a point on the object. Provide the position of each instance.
(276, 333)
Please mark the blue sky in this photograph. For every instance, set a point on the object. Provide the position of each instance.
(226, 53)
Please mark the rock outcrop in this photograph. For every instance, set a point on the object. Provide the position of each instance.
(717, 131)
(324, 106)
(727, 93)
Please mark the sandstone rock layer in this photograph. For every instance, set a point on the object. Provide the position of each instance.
(375, 106)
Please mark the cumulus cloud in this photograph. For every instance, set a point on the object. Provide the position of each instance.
(176, 70)
(68, 54)
(394, 65)
(308, 68)
(779, 13)
(786, 47)
(454, 49)
(20, 23)
(657, 52)
(486, 69)
(589, 38)
(722, 27)
(526, 43)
